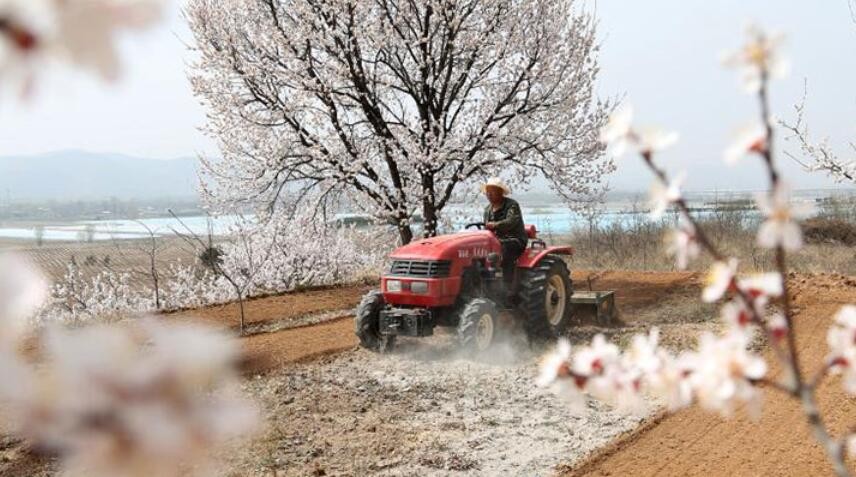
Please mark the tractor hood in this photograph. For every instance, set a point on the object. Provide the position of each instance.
(449, 247)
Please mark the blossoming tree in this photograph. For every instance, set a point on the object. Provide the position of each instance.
(723, 372)
(394, 105)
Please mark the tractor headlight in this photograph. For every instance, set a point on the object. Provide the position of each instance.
(393, 285)
(419, 287)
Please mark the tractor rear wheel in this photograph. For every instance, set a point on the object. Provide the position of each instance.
(477, 327)
(367, 323)
(545, 298)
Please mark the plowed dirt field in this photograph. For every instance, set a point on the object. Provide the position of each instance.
(334, 409)
(698, 443)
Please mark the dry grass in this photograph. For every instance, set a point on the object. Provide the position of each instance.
(641, 246)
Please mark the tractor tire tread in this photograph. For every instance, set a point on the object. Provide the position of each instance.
(366, 323)
(533, 286)
(469, 318)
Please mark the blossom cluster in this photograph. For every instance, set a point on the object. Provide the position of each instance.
(134, 398)
(273, 257)
(723, 372)
(719, 375)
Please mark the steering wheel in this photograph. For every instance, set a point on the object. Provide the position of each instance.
(478, 225)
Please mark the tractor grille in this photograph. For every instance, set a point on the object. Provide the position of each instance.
(421, 268)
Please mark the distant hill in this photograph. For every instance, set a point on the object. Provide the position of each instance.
(77, 175)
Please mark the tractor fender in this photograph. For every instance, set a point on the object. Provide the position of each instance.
(532, 255)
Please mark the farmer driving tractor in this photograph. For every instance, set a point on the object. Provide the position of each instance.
(454, 281)
(503, 217)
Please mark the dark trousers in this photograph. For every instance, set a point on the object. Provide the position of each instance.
(512, 249)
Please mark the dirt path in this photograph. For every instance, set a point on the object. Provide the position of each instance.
(426, 409)
(698, 443)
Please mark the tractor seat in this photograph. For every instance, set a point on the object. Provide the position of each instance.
(530, 231)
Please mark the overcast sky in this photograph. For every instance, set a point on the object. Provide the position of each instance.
(661, 55)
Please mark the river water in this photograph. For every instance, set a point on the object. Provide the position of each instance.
(548, 219)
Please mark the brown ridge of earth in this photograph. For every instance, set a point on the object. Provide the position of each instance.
(275, 307)
(695, 442)
(267, 351)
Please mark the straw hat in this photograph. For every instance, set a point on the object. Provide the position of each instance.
(496, 182)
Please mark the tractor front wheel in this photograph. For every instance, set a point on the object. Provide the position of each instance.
(545, 297)
(367, 323)
(477, 327)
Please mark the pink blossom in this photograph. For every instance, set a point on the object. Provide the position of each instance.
(83, 32)
(87, 29)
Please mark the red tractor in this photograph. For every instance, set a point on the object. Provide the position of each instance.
(456, 280)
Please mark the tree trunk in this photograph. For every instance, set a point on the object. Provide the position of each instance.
(429, 210)
(404, 232)
(429, 216)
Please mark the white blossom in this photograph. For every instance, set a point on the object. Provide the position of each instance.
(777, 326)
(719, 279)
(724, 371)
(644, 352)
(736, 316)
(555, 365)
(758, 57)
(621, 137)
(655, 139)
(617, 132)
(595, 358)
(841, 339)
(780, 227)
(671, 381)
(682, 243)
(23, 290)
(761, 284)
(663, 196)
(748, 139)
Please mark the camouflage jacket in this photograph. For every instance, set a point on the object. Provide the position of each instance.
(508, 220)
